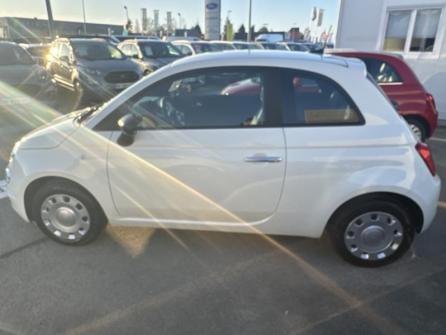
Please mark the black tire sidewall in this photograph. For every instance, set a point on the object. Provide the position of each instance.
(340, 223)
(421, 127)
(97, 218)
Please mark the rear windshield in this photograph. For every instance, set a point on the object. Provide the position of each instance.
(159, 50)
(96, 51)
(201, 47)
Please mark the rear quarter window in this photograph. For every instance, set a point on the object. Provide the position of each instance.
(315, 100)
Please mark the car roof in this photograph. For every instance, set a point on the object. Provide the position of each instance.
(365, 53)
(190, 42)
(266, 57)
(86, 40)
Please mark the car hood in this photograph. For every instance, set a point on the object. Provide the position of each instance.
(112, 65)
(52, 134)
(15, 75)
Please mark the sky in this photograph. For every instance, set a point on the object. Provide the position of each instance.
(276, 14)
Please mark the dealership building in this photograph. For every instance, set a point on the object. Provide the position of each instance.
(33, 29)
(414, 29)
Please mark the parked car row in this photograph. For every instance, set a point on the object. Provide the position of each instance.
(297, 145)
(96, 69)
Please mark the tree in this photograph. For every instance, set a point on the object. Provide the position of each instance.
(242, 29)
(197, 28)
(263, 30)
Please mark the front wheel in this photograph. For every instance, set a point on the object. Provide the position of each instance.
(374, 234)
(67, 213)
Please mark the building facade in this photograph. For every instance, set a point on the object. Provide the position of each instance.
(415, 29)
(35, 30)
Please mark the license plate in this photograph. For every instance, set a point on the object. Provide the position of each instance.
(122, 86)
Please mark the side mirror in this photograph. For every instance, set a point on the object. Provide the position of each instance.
(129, 127)
(136, 56)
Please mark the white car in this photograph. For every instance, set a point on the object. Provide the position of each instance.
(251, 142)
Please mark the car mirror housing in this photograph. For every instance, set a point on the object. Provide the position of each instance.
(129, 127)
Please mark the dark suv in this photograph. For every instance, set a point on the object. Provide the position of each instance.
(20, 73)
(93, 68)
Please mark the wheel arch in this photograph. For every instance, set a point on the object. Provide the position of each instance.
(422, 121)
(412, 208)
(39, 182)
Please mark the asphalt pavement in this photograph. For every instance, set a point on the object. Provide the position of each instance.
(144, 281)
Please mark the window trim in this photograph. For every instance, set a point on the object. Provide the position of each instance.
(440, 35)
(273, 118)
(361, 121)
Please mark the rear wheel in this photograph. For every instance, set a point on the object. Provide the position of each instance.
(374, 234)
(419, 129)
(67, 213)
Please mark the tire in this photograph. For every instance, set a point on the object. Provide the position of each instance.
(419, 129)
(67, 214)
(372, 233)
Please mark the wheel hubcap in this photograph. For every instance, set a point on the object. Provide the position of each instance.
(65, 217)
(374, 235)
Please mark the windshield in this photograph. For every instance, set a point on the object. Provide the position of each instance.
(97, 51)
(159, 50)
(201, 47)
(14, 55)
(221, 47)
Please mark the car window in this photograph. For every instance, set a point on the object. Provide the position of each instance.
(202, 47)
(64, 51)
(214, 98)
(313, 99)
(55, 49)
(184, 49)
(381, 71)
(159, 50)
(127, 50)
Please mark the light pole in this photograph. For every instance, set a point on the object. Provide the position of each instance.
(85, 17)
(180, 25)
(250, 21)
(50, 18)
(126, 13)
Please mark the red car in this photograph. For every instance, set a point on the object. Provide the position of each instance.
(402, 86)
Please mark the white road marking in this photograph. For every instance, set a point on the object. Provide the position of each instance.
(436, 139)
(2, 189)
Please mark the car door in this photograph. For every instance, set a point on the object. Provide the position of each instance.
(207, 151)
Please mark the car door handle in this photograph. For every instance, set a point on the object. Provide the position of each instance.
(263, 159)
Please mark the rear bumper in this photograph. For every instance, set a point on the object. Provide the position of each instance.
(429, 203)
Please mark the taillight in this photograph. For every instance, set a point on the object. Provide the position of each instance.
(426, 154)
(431, 102)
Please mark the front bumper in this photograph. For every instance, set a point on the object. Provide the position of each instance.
(15, 181)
